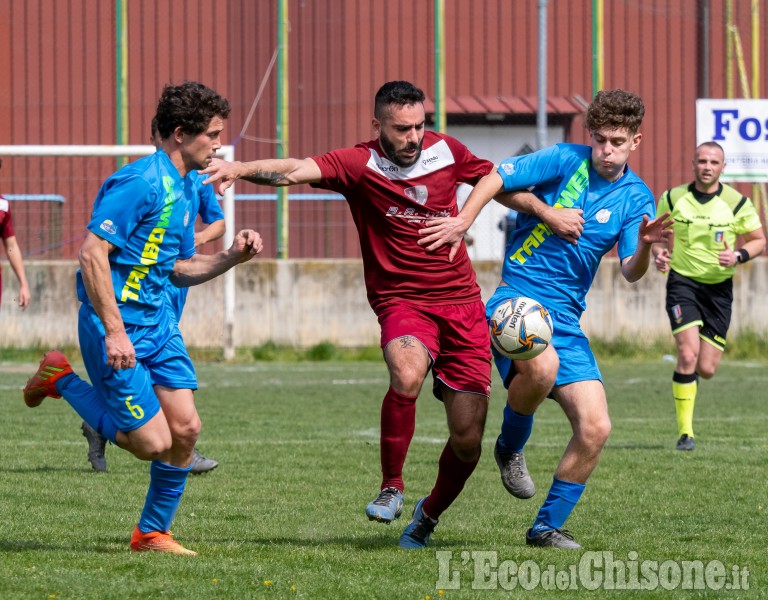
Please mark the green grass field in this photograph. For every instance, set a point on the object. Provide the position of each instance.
(283, 516)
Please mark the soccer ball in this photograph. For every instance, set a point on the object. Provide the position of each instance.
(521, 328)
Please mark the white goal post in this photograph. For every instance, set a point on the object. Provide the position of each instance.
(225, 152)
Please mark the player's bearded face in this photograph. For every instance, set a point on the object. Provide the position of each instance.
(401, 133)
(403, 154)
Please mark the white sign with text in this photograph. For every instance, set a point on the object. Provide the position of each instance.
(741, 128)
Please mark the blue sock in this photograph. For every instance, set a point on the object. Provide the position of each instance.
(83, 398)
(166, 485)
(515, 430)
(562, 498)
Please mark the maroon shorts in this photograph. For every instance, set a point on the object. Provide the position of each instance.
(456, 337)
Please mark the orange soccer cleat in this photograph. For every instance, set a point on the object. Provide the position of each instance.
(42, 384)
(157, 541)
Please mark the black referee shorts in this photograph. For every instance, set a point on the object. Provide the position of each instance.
(706, 305)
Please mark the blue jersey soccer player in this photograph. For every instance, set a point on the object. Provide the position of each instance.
(584, 201)
(140, 237)
(204, 204)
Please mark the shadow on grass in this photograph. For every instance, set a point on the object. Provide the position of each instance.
(636, 446)
(120, 544)
(46, 469)
(371, 543)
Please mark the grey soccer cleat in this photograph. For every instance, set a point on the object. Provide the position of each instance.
(201, 464)
(685, 442)
(552, 538)
(97, 443)
(514, 473)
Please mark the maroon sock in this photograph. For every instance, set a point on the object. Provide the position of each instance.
(452, 474)
(398, 422)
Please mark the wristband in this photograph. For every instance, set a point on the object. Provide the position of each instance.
(742, 255)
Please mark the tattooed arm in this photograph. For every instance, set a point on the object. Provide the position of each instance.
(275, 172)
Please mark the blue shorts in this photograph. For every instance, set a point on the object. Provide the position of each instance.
(161, 359)
(577, 363)
(176, 298)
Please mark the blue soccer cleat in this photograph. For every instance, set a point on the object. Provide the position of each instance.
(416, 535)
(386, 507)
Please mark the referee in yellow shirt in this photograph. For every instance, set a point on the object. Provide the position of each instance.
(701, 259)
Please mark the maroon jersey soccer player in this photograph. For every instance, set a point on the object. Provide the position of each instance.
(428, 306)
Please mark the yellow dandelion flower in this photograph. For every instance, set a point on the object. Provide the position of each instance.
(267, 582)
(293, 588)
(441, 592)
(214, 580)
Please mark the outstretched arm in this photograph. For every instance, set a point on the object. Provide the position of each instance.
(203, 267)
(274, 172)
(655, 231)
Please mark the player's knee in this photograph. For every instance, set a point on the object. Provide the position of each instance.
(595, 432)
(542, 370)
(153, 449)
(467, 446)
(187, 433)
(687, 359)
(601, 431)
(706, 371)
(407, 381)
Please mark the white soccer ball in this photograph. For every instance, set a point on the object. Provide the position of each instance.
(521, 328)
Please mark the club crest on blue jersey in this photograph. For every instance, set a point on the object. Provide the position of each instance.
(108, 226)
(417, 193)
(719, 235)
(603, 215)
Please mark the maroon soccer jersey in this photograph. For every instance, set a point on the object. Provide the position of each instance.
(6, 224)
(390, 204)
(6, 227)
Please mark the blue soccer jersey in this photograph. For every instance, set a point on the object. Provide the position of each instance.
(546, 267)
(144, 210)
(207, 206)
(205, 202)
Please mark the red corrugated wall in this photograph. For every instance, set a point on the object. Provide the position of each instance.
(57, 84)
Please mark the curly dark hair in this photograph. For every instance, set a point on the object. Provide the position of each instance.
(400, 93)
(614, 109)
(191, 106)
